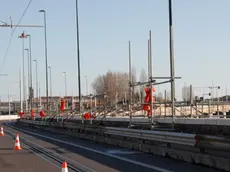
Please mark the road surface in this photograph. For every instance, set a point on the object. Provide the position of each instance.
(89, 156)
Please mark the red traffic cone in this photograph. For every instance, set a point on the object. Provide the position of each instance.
(64, 167)
(17, 143)
(1, 132)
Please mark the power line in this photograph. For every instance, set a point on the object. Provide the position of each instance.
(12, 34)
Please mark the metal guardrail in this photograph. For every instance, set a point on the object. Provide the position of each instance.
(158, 136)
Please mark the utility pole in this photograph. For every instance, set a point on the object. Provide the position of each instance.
(78, 57)
(46, 61)
(171, 45)
(20, 87)
(130, 87)
(23, 36)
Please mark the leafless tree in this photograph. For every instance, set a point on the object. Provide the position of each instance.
(112, 84)
(186, 93)
(143, 78)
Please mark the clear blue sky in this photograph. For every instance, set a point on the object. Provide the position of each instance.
(201, 33)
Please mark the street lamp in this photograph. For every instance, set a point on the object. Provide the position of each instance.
(36, 74)
(23, 36)
(86, 85)
(78, 58)
(172, 72)
(65, 84)
(28, 60)
(49, 67)
(47, 91)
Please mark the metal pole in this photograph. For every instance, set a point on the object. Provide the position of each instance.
(23, 76)
(165, 101)
(46, 62)
(40, 100)
(86, 85)
(31, 83)
(50, 81)
(151, 74)
(9, 100)
(218, 111)
(172, 62)
(226, 94)
(20, 87)
(65, 83)
(28, 61)
(130, 87)
(36, 70)
(78, 57)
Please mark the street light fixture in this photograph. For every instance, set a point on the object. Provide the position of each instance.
(47, 91)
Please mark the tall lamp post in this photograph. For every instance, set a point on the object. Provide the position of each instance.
(49, 67)
(171, 47)
(28, 60)
(23, 36)
(36, 74)
(78, 58)
(47, 91)
(31, 83)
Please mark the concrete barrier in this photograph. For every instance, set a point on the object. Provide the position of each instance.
(8, 117)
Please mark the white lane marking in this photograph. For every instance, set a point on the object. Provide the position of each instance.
(70, 160)
(96, 151)
(26, 147)
(124, 152)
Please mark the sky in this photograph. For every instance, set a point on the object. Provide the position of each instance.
(201, 42)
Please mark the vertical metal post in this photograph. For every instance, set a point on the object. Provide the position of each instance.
(130, 87)
(149, 61)
(78, 57)
(151, 74)
(23, 76)
(218, 100)
(36, 75)
(65, 84)
(226, 94)
(191, 100)
(46, 62)
(172, 61)
(31, 83)
(9, 101)
(20, 87)
(165, 101)
(50, 81)
(40, 99)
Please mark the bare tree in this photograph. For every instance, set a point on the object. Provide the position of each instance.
(143, 78)
(186, 93)
(113, 84)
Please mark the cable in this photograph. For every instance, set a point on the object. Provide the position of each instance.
(12, 34)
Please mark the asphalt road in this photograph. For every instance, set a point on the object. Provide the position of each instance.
(21, 161)
(102, 157)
